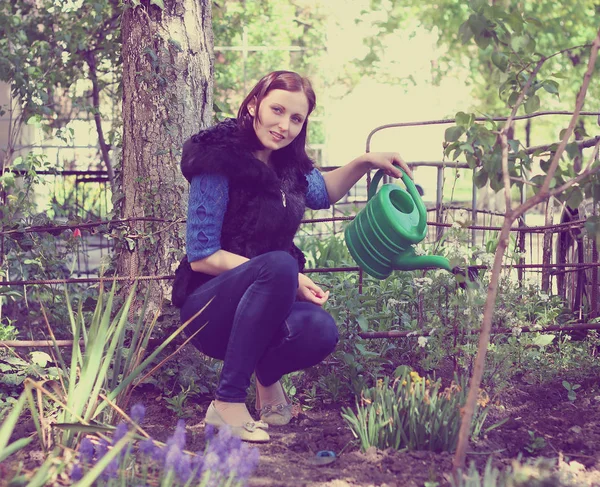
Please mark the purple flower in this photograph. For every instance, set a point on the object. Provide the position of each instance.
(232, 462)
(172, 458)
(178, 437)
(120, 432)
(197, 463)
(147, 446)
(111, 470)
(138, 412)
(209, 432)
(211, 462)
(101, 448)
(183, 469)
(76, 473)
(249, 461)
(159, 454)
(86, 450)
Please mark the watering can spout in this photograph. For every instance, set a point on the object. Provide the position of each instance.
(409, 261)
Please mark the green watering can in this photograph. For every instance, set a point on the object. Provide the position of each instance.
(381, 237)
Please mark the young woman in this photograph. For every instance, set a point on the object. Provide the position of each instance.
(251, 181)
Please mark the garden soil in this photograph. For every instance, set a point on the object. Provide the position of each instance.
(570, 429)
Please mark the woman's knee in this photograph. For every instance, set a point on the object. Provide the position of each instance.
(279, 267)
(329, 334)
(320, 331)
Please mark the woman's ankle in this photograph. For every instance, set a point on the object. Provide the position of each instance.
(272, 395)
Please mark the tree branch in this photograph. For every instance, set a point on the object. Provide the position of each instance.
(104, 148)
(582, 144)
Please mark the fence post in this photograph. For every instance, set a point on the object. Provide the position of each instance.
(439, 211)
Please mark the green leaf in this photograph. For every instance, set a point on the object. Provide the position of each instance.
(572, 150)
(516, 22)
(575, 198)
(592, 225)
(512, 99)
(463, 119)
(40, 358)
(452, 134)
(35, 120)
(477, 5)
(500, 60)
(519, 43)
(533, 20)
(550, 86)
(363, 323)
(477, 23)
(465, 33)
(543, 340)
(159, 3)
(545, 165)
(480, 178)
(532, 104)
(483, 40)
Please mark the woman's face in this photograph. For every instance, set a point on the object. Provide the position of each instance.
(282, 115)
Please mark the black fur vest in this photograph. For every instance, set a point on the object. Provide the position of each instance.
(266, 203)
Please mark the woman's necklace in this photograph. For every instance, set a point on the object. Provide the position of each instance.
(283, 197)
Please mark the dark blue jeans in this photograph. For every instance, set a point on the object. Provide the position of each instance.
(256, 325)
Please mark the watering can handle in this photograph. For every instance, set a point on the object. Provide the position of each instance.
(412, 191)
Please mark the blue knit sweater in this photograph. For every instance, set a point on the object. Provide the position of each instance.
(209, 195)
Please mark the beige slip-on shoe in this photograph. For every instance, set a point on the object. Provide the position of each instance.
(252, 431)
(278, 415)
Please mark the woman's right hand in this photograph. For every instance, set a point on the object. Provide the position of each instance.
(309, 291)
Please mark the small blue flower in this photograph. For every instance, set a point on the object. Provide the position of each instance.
(209, 432)
(76, 473)
(138, 411)
(111, 470)
(197, 463)
(147, 446)
(101, 448)
(248, 463)
(211, 462)
(172, 458)
(232, 463)
(159, 454)
(178, 437)
(86, 450)
(120, 432)
(184, 468)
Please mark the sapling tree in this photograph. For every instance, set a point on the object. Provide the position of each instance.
(509, 41)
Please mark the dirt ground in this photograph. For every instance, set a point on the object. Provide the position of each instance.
(570, 428)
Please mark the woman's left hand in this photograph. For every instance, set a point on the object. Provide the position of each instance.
(309, 291)
(386, 161)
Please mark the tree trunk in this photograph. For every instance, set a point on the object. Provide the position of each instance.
(167, 97)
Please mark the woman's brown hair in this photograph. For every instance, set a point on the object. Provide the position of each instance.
(280, 80)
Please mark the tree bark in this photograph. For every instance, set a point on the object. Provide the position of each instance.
(167, 97)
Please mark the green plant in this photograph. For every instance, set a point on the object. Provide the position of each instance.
(177, 402)
(413, 412)
(571, 388)
(539, 472)
(101, 373)
(535, 442)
